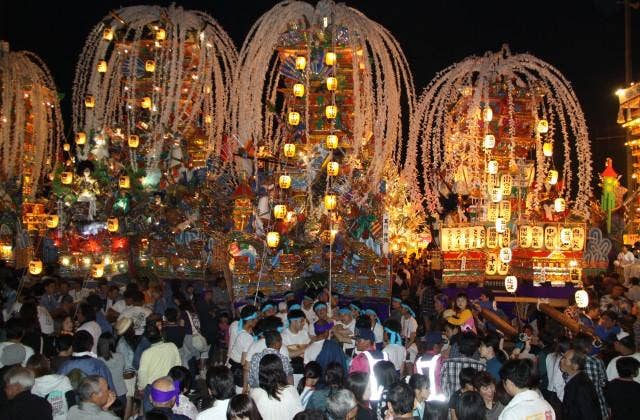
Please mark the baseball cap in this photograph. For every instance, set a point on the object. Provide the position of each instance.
(13, 354)
(432, 338)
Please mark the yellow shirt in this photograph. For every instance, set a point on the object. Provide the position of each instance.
(156, 361)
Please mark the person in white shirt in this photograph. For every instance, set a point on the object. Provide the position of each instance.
(137, 312)
(633, 294)
(625, 346)
(345, 329)
(296, 339)
(555, 377)
(378, 330)
(221, 389)
(307, 308)
(315, 347)
(15, 331)
(394, 348)
(526, 403)
(409, 330)
(240, 346)
(625, 260)
(275, 399)
(87, 319)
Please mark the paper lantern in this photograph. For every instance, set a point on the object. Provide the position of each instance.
(543, 126)
(279, 211)
(89, 101)
(505, 209)
(81, 138)
(505, 255)
(511, 284)
(273, 239)
(582, 298)
(552, 177)
(577, 240)
(492, 180)
(489, 141)
(547, 149)
(331, 111)
(86, 262)
(150, 66)
(97, 271)
(550, 235)
(506, 184)
(559, 204)
(145, 103)
(493, 211)
(537, 237)
(330, 202)
(289, 150)
(65, 260)
(333, 168)
(161, 34)
(52, 221)
(112, 224)
(525, 236)
(492, 238)
(134, 141)
(298, 90)
(332, 83)
(124, 182)
(566, 235)
(102, 66)
(66, 178)
(107, 34)
(330, 58)
(301, 62)
(491, 267)
(293, 118)
(481, 236)
(503, 268)
(492, 167)
(332, 141)
(501, 224)
(284, 181)
(487, 114)
(504, 239)
(35, 267)
(66, 147)
(495, 194)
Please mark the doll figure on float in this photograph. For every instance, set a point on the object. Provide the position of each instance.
(87, 187)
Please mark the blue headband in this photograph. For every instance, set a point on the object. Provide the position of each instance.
(408, 308)
(307, 297)
(344, 311)
(397, 299)
(267, 307)
(371, 312)
(355, 307)
(248, 318)
(394, 337)
(294, 307)
(319, 306)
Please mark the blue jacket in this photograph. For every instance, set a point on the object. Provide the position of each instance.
(90, 366)
(331, 352)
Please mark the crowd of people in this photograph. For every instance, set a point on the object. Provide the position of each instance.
(148, 349)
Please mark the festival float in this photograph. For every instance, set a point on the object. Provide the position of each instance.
(316, 119)
(498, 145)
(143, 181)
(31, 135)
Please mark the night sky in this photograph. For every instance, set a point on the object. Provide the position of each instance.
(583, 39)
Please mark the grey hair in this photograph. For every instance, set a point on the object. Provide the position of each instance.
(89, 386)
(21, 376)
(339, 403)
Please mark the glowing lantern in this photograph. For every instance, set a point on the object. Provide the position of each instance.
(506, 183)
(124, 182)
(52, 221)
(552, 178)
(559, 205)
(525, 236)
(112, 224)
(609, 186)
(547, 149)
(501, 224)
(331, 111)
(566, 235)
(492, 238)
(284, 181)
(505, 210)
(107, 34)
(503, 268)
(66, 147)
(65, 260)
(145, 103)
(332, 83)
(150, 66)
(332, 141)
(333, 168)
(35, 267)
(298, 90)
(537, 237)
(330, 202)
(161, 34)
(492, 264)
(543, 126)
(81, 138)
(505, 255)
(279, 211)
(66, 178)
(289, 150)
(582, 298)
(134, 141)
(577, 240)
(89, 101)
(301, 62)
(496, 194)
(493, 211)
(273, 239)
(511, 284)
(487, 114)
(330, 58)
(97, 271)
(489, 141)
(492, 167)
(102, 66)
(293, 118)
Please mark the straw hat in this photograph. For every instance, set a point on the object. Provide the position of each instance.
(123, 325)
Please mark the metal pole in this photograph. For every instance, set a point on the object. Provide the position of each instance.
(627, 81)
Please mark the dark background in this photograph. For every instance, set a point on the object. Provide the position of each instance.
(583, 39)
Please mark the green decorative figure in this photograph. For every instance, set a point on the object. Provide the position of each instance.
(609, 185)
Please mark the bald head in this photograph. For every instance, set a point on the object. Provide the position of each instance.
(164, 392)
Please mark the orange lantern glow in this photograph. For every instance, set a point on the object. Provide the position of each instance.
(289, 150)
